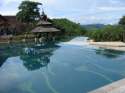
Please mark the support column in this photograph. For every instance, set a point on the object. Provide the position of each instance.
(35, 39)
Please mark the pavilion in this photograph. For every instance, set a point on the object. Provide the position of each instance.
(45, 29)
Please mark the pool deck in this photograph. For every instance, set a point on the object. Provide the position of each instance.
(116, 87)
(110, 45)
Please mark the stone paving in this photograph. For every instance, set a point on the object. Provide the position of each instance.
(116, 87)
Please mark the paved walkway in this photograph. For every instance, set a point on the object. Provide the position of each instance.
(116, 87)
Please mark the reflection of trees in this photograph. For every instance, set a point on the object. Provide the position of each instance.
(37, 57)
(34, 57)
(35, 60)
(2, 59)
(109, 53)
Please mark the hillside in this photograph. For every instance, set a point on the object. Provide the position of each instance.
(93, 26)
(70, 28)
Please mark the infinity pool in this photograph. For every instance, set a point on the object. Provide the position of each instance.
(60, 68)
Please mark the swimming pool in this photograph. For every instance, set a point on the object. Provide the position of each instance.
(62, 68)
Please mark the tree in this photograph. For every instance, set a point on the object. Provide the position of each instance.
(108, 33)
(28, 11)
(122, 21)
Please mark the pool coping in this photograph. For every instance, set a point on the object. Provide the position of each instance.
(116, 87)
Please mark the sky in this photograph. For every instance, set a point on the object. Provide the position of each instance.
(80, 11)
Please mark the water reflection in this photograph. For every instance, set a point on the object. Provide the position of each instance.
(87, 70)
(34, 57)
(109, 53)
(2, 59)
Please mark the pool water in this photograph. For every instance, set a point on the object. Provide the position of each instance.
(58, 68)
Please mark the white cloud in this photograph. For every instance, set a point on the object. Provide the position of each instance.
(45, 1)
(111, 8)
(8, 12)
(114, 1)
(42, 1)
(5, 2)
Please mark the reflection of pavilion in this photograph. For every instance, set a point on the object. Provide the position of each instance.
(34, 57)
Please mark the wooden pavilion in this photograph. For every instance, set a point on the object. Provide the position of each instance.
(45, 30)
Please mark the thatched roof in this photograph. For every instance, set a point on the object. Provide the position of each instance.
(42, 29)
(44, 26)
(44, 23)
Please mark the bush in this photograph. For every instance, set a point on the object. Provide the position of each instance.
(108, 33)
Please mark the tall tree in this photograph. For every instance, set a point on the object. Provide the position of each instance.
(28, 11)
(122, 21)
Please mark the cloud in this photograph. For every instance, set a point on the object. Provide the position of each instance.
(98, 19)
(8, 12)
(83, 11)
(10, 1)
(45, 1)
(111, 8)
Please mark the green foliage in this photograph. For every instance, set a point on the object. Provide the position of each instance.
(70, 28)
(28, 11)
(108, 33)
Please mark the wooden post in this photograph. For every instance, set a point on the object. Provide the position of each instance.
(35, 40)
(40, 40)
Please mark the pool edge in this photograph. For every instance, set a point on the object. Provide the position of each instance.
(116, 87)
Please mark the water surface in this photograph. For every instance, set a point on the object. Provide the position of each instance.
(58, 68)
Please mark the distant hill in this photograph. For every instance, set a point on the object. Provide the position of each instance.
(93, 26)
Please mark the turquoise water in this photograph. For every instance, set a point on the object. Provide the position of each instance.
(60, 68)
